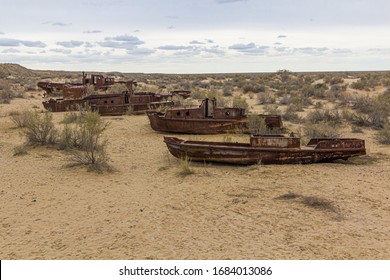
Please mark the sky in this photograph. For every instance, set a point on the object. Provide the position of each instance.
(203, 36)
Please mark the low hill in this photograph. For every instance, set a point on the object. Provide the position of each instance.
(8, 70)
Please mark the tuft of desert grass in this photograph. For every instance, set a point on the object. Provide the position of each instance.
(184, 167)
(20, 150)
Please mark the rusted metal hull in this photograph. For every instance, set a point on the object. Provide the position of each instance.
(158, 122)
(72, 105)
(60, 105)
(77, 90)
(110, 103)
(324, 150)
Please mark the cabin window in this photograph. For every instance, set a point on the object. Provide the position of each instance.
(178, 113)
(105, 101)
(187, 113)
(112, 101)
(227, 113)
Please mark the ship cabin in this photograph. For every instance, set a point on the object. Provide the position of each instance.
(97, 80)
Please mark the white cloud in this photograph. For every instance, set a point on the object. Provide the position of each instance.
(9, 42)
(11, 50)
(63, 51)
(250, 49)
(70, 44)
(92, 31)
(311, 50)
(174, 48)
(56, 23)
(127, 42)
(196, 42)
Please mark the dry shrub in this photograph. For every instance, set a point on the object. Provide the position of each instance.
(321, 130)
(40, 129)
(383, 135)
(6, 92)
(20, 118)
(117, 88)
(240, 102)
(327, 115)
(86, 137)
(6, 96)
(185, 168)
(292, 115)
(20, 150)
(257, 125)
(265, 98)
(68, 138)
(272, 109)
(77, 115)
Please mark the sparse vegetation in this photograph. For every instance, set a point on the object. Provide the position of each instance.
(117, 88)
(383, 135)
(20, 150)
(329, 116)
(257, 125)
(184, 167)
(321, 130)
(20, 117)
(39, 129)
(7, 93)
(240, 102)
(87, 137)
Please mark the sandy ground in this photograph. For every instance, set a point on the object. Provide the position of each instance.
(145, 210)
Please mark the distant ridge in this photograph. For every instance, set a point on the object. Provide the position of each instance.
(15, 70)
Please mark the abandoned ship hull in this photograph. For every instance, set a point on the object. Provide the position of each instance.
(191, 126)
(104, 110)
(206, 125)
(245, 154)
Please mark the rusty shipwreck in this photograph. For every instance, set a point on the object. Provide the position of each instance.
(267, 149)
(77, 90)
(208, 118)
(76, 95)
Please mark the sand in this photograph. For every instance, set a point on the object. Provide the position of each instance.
(145, 210)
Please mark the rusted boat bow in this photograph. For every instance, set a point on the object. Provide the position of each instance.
(275, 149)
